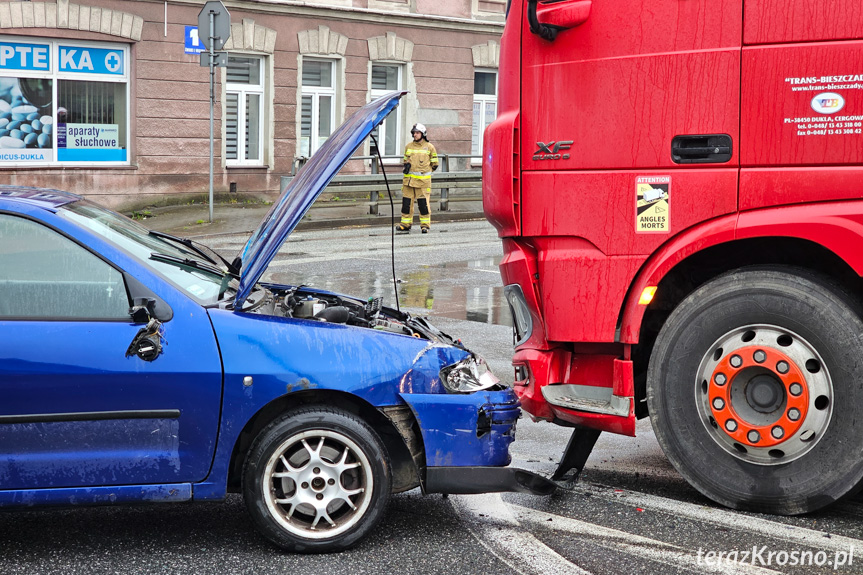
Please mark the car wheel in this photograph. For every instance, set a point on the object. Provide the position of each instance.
(753, 387)
(317, 479)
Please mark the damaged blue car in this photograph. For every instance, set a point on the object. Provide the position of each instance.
(136, 366)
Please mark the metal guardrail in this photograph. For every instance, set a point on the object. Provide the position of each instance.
(444, 160)
(375, 179)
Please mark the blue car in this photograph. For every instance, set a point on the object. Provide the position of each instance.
(136, 366)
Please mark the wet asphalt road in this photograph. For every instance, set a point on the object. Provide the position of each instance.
(630, 513)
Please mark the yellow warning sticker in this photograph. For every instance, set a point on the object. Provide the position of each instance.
(652, 204)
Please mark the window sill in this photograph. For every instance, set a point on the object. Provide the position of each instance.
(246, 167)
(44, 167)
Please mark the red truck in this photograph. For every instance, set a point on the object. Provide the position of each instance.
(678, 185)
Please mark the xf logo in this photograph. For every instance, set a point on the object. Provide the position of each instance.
(551, 150)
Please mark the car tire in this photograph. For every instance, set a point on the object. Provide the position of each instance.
(754, 389)
(316, 480)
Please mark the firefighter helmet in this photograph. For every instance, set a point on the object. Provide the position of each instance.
(421, 129)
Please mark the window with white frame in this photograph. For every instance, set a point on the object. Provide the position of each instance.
(484, 107)
(244, 111)
(63, 102)
(318, 104)
(386, 78)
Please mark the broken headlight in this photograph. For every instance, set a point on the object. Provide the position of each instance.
(469, 375)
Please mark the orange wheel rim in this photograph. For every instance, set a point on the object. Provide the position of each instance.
(780, 366)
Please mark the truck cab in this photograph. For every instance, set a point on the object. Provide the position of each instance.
(677, 185)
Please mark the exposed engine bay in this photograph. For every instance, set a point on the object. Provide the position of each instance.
(302, 302)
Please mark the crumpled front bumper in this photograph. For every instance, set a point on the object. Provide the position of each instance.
(467, 439)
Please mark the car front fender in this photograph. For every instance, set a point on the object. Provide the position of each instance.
(266, 359)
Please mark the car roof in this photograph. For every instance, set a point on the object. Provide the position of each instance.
(40, 197)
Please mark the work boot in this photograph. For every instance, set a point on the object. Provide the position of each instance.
(403, 228)
(425, 229)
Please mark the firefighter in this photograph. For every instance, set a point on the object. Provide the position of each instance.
(420, 161)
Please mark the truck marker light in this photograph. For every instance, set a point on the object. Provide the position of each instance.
(647, 295)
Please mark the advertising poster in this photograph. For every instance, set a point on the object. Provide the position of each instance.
(26, 121)
(89, 143)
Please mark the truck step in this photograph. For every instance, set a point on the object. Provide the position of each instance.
(586, 398)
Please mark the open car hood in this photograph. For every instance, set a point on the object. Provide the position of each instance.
(302, 191)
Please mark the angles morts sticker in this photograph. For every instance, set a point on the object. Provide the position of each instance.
(652, 204)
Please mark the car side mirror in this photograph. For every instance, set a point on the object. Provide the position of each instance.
(147, 343)
(143, 309)
(156, 307)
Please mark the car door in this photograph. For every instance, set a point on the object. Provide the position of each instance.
(605, 104)
(76, 410)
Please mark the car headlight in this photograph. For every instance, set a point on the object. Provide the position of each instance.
(469, 375)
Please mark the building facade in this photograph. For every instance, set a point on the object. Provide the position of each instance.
(108, 99)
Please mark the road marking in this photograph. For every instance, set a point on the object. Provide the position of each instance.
(636, 545)
(820, 540)
(496, 528)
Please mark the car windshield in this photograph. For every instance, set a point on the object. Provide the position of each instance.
(198, 278)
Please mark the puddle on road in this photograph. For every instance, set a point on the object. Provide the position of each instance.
(437, 289)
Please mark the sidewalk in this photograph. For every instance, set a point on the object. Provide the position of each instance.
(191, 220)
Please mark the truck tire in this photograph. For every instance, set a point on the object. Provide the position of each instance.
(754, 387)
(316, 480)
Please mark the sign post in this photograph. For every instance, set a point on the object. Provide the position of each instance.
(215, 19)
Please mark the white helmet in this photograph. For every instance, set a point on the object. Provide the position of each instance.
(419, 128)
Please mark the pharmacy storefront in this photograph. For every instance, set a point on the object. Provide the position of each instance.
(63, 103)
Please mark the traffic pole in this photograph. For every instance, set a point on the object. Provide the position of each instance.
(212, 100)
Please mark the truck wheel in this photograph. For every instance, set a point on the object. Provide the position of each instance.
(754, 389)
(316, 480)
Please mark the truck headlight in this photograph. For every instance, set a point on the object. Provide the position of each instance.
(469, 375)
(521, 319)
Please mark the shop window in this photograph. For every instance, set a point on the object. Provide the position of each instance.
(318, 104)
(95, 118)
(484, 108)
(386, 78)
(244, 111)
(63, 102)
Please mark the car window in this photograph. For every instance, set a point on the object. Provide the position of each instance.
(136, 240)
(44, 275)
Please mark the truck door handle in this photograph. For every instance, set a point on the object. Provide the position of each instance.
(549, 18)
(701, 149)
